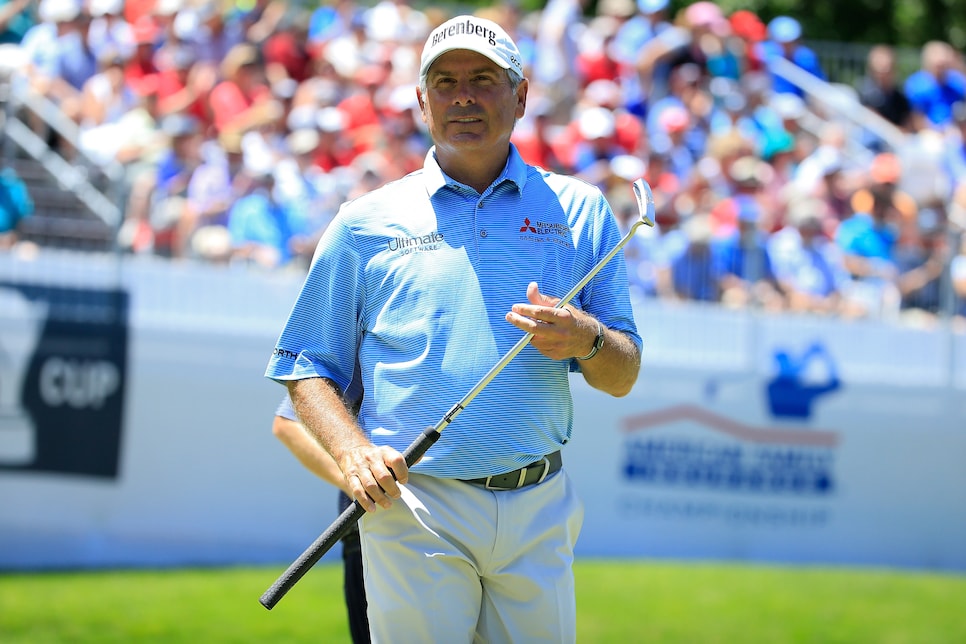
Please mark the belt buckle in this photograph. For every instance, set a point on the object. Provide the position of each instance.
(545, 462)
(546, 470)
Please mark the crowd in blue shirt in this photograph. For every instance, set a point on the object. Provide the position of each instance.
(764, 199)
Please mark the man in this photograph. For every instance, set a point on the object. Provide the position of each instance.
(16, 19)
(690, 268)
(868, 241)
(808, 265)
(879, 89)
(167, 206)
(16, 204)
(422, 280)
(242, 100)
(264, 230)
(739, 254)
(59, 61)
(287, 428)
(935, 87)
(785, 40)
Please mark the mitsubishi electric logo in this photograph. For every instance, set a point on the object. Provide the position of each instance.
(541, 231)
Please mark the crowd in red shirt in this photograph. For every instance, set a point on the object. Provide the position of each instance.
(290, 112)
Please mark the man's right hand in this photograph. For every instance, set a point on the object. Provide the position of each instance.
(368, 469)
(373, 475)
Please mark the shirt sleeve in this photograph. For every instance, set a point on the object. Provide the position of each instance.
(323, 331)
(286, 409)
(607, 295)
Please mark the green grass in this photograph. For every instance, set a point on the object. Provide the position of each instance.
(618, 601)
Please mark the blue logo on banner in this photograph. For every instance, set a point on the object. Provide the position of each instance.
(790, 395)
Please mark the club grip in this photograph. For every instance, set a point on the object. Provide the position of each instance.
(339, 528)
(419, 446)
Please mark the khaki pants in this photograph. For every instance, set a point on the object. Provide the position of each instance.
(453, 562)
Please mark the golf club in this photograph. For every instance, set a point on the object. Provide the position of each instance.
(352, 514)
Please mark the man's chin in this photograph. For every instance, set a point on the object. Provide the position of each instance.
(464, 143)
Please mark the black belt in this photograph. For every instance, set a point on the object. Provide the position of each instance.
(535, 472)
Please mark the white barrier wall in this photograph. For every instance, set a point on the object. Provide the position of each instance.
(135, 430)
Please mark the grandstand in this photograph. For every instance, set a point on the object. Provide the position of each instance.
(322, 108)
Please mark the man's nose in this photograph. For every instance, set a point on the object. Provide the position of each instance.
(464, 94)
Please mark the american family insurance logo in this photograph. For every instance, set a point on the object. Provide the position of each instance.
(540, 231)
(687, 447)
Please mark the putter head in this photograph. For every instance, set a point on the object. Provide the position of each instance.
(645, 202)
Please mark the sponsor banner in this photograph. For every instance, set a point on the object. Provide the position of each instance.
(786, 467)
(62, 380)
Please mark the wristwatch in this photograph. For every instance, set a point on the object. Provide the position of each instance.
(598, 343)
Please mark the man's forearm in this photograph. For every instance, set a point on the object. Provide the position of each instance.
(615, 367)
(318, 403)
(308, 452)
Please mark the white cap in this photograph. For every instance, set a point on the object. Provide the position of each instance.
(331, 119)
(168, 7)
(628, 167)
(403, 98)
(301, 117)
(106, 7)
(302, 141)
(789, 106)
(58, 10)
(475, 34)
(596, 123)
(12, 58)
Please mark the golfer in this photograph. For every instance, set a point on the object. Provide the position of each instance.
(290, 431)
(429, 281)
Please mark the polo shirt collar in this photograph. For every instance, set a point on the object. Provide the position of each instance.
(515, 171)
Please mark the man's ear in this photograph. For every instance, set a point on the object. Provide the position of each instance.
(522, 97)
(419, 100)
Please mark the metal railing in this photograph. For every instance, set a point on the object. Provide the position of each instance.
(840, 100)
(79, 175)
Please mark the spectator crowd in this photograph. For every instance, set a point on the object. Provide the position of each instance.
(241, 128)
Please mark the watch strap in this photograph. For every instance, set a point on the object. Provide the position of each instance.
(598, 343)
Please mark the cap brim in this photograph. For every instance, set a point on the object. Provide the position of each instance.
(424, 68)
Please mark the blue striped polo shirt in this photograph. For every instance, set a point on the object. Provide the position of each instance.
(286, 410)
(417, 276)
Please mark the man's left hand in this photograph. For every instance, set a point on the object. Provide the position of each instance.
(558, 334)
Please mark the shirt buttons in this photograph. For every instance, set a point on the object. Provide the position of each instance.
(479, 205)
(483, 233)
